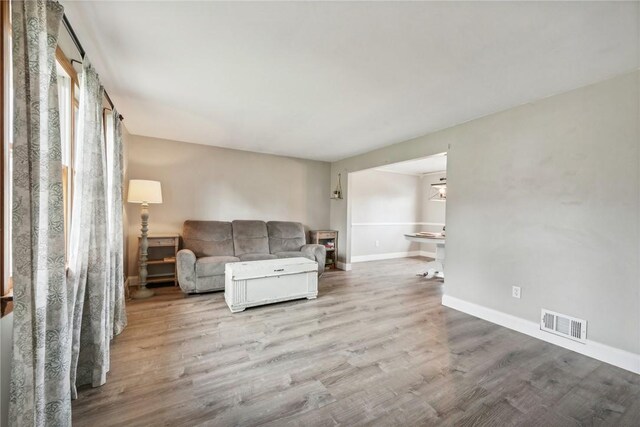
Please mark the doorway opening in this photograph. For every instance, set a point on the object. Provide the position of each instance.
(390, 203)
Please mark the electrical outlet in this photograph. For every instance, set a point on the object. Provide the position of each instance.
(377, 243)
(515, 291)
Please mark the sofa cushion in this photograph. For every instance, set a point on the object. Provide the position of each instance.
(208, 238)
(294, 254)
(213, 265)
(250, 237)
(285, 236)
(256, 257)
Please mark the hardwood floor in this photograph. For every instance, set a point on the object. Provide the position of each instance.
(375, 348)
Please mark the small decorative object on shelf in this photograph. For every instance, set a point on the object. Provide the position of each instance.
(161, 261)
(329, 239)
(337, 193)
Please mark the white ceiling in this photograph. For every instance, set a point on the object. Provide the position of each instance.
(330, 80)
(437, 163)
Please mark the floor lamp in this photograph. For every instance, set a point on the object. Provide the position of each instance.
(144, 192)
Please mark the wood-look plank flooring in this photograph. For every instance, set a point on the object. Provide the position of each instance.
(375, 348)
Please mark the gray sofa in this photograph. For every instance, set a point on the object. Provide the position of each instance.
(210, 245)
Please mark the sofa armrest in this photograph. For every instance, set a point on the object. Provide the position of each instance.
(319, 252)
(186, 269)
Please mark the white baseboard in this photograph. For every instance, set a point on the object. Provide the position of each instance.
(614, 356)
(391, 255)
(343, 266)
(387, 224)
(428, 254)
(131, 281)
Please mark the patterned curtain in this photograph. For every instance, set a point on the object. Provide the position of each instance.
(90, 258)
(118, 315)
(39, 390)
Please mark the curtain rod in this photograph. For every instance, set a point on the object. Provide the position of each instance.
(76, 41)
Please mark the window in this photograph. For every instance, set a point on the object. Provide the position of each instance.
(68, 99)
(67, 93)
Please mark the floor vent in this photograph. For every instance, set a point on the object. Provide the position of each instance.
(565, 326)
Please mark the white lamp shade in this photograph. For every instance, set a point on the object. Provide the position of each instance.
(143, 191)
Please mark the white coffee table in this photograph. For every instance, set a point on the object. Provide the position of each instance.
(252, 283)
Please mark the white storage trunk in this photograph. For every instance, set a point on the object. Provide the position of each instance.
(252, 283)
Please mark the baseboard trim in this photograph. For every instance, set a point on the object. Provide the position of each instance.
(390, 224)
(602, 352)
(131, 281)
(343, 266)
(391, 255)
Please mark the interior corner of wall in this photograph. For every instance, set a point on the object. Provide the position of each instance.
(131, 281)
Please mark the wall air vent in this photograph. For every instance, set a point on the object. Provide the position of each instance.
(563, 325)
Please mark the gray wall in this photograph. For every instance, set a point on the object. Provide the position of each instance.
(211, 183)
(545, 196)
(385, 206)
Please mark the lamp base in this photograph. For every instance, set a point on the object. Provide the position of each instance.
(142, 293)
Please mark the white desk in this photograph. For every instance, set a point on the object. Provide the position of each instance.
(436, 267)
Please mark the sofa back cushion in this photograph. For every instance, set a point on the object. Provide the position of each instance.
(208, 238)
(250, 237)
(285, 236)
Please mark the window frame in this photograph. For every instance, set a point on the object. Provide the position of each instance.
(68, 172)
